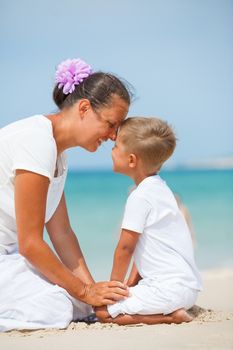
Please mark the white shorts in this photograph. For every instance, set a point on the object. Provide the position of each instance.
(148, 298)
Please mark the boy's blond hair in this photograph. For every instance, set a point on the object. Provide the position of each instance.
(151, 139)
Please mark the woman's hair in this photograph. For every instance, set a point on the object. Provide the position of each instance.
(151, 139)
(98, 88)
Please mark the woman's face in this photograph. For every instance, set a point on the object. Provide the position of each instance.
(103, 124)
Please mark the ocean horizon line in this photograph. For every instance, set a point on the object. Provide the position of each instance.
(164, 170)
(210, 164)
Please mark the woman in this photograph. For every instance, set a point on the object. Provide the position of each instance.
(39, 289)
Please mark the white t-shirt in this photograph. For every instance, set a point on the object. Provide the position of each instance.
(164, 250)
(27, 144)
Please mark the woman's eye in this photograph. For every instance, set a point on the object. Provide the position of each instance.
(111, 125)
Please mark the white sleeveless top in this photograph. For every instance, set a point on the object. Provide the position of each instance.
(27, 144)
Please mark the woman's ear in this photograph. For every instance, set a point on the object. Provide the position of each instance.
(132, 160)
(84, 106)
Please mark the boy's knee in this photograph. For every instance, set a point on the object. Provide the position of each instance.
(102, 314)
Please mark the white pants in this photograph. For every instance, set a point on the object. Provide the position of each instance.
(29, 301)
(150, 298)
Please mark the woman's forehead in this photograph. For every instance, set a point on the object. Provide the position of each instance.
(117, 110)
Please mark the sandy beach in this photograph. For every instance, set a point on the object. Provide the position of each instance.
(212, 327)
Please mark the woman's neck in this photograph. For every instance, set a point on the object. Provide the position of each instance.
(62, 131)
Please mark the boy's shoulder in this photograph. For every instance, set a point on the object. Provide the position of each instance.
(154, 190)
(151, 183)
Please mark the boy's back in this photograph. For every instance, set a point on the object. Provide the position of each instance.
(164, 250)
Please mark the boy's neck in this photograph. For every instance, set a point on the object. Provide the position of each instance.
(139, 177)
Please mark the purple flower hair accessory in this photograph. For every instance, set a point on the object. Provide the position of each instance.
(70, 73)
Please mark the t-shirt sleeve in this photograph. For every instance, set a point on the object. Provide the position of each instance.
(35, 150)
(136, 212)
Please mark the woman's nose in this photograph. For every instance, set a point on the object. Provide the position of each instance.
(113, 134)
(113, 137)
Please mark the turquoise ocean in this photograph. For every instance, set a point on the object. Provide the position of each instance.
(96, 200)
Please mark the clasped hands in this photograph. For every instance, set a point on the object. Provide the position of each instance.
(105, 293)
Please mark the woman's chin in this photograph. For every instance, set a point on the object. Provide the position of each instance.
(92, 148)
(95, 146)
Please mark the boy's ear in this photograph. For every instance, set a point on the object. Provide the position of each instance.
(132, 160)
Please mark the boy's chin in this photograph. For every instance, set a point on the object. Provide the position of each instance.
(118, 171)
(115, 169)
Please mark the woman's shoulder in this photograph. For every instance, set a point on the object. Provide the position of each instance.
(33, 146)
(34, 123)
(31, 130)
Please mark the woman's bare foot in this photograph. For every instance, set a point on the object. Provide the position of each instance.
(180, 316)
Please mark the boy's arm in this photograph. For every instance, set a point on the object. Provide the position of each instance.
(134, 276)
(123, 254)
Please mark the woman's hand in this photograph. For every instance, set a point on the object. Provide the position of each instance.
(105, 293)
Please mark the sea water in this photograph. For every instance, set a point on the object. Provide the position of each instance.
(96, 200)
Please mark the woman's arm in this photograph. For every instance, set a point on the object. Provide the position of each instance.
(123, 254)
(66, 243)
(30, 205)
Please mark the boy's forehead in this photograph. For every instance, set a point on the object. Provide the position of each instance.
(118, 137)
(116, 141)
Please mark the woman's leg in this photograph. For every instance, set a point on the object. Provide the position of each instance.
(29, 301)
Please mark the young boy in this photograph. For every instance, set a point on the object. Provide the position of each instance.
(164, 281)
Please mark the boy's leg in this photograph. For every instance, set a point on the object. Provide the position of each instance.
(151, 304)
(177, 317)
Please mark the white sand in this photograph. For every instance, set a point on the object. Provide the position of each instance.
(210, 329)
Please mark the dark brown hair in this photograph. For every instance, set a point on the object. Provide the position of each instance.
(98, 88)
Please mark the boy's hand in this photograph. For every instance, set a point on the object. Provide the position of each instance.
(134, 277)
(104, 293)
(129, 283)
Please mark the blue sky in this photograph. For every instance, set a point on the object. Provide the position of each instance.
(178, 55)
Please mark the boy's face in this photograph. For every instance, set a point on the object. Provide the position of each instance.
(120, 158)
